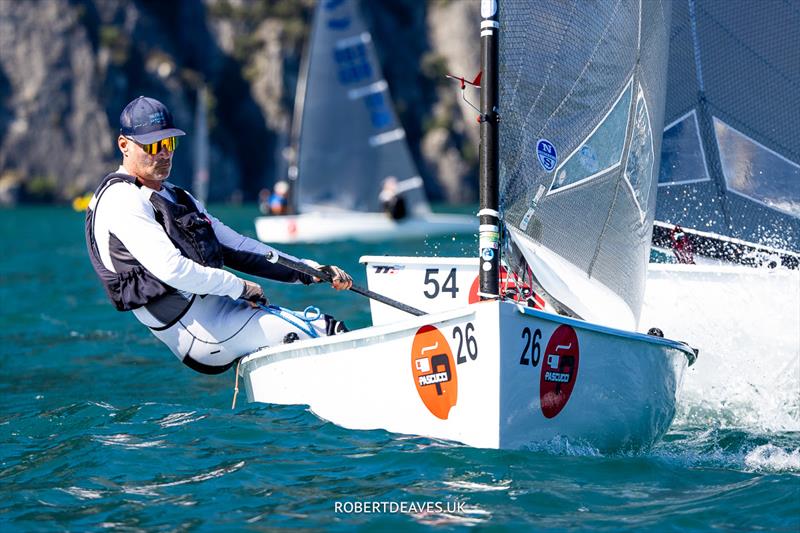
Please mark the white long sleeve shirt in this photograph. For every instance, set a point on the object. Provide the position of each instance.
(126, 212)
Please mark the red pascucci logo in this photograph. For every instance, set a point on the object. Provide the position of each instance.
(434, 371)
(559, 370)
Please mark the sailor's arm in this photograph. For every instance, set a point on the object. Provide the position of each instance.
(249, 255)
(133, 222)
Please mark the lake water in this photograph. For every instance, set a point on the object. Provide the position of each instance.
(101, 427)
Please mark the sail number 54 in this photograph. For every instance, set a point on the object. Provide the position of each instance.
(531, 345)
(433, 287)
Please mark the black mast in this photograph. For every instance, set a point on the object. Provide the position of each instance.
(489, 231)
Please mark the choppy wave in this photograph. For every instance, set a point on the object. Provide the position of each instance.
(100, 427)
(771, 458)
(746, 323)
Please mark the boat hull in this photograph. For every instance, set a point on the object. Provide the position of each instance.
(365, 227)
(743, 320)
(489, 375)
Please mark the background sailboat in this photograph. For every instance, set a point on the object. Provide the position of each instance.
(730, 160)
(347, 141)
(730, 168)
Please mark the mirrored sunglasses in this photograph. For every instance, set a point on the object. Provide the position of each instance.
(170, 143)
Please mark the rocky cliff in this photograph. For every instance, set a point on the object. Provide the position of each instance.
(67, 68)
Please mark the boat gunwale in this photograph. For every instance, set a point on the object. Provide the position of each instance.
(284, 351)
(691, 356)
(312, 347)
(416, 260)
(722, 268)
(726, 239)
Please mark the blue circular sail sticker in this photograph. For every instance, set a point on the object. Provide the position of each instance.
(546, 153)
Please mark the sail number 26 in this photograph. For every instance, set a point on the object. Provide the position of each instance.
(466, 339)
(532, 345)
(433, 288)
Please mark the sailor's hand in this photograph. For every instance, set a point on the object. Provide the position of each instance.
(340, 280)
(253, 294)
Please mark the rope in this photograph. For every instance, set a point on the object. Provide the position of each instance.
(309, 315)
(236, 384)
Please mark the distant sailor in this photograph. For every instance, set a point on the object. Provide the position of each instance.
(392, 200)
(278, 201)
(160, 254)
(682, 246)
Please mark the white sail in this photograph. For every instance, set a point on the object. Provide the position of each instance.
(582, 107)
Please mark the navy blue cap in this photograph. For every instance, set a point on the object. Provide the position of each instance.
(146, 120)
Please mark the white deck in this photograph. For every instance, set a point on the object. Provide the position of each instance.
(322, 227)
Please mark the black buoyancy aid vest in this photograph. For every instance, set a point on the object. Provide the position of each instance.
(133, 286)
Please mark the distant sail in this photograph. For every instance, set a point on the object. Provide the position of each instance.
(581, 103)
(349, 138)
(731, 152)
(201, 175)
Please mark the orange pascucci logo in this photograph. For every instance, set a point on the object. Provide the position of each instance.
(434, 371)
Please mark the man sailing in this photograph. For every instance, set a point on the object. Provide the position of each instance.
(160, 254)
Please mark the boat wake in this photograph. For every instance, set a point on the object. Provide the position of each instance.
(565, 447)
(761, 402)
(769, 457)
(730, 449)
(746, 323)
(695, 446)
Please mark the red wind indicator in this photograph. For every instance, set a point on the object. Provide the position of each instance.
(475, 83)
